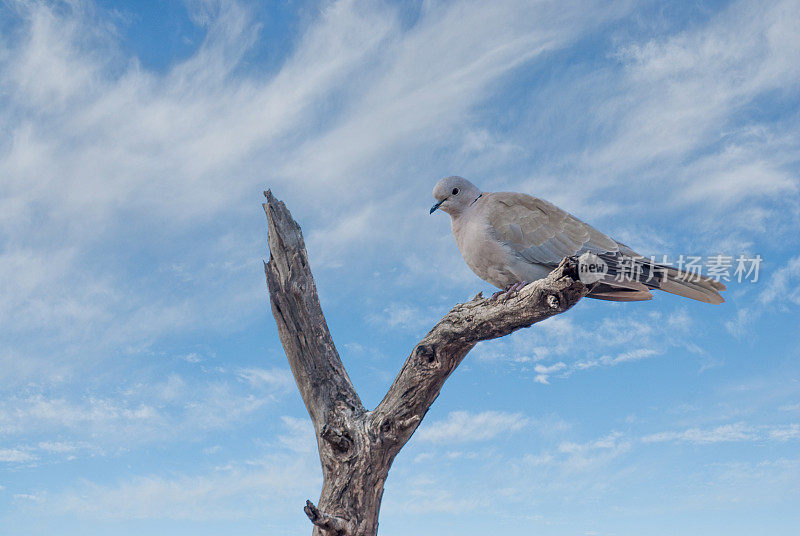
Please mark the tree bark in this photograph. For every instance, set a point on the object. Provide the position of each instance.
(356, 446)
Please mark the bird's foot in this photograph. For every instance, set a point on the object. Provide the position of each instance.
(514, 289)
(510, 292)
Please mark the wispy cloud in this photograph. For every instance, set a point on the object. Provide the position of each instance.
(278, 379)
(782, 288)
(681, 117)
(299, 435)
(237, 489)
(726, 433)
(464, 426)
(130, 232)
(240, 490)
(405, 316)
(561, 347)
(425, 495)
(780, 291)
(686, 86)
(15, 456)
(136, 415)
(543, 372)
(584, 456)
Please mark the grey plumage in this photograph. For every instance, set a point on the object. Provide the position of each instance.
(507, 238)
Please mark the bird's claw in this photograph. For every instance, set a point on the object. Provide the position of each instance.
(510, 292)
(515, 288)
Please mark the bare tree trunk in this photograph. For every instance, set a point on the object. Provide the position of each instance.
(356, 446)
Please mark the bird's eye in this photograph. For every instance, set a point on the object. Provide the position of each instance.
(455, 191)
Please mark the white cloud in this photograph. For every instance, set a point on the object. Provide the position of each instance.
(15, 456)
(138, 414)
(47, 452)
(572, 471)
(22, 414)
(543, 372)
(192, 357)
(212, 450)
(464, 426)
(624, 357)
(768, 482)
(686, 85)
(424, 494)
(571, 474)
(605, 442)
(724, 433)
(785, 433)
(561, 346)
(739, 325)
(541, 369)
(686, 118)
(300, 436)
(59, 446)
(781, 290)
(735, 432)
(782, 287)
(406, 317)
(28, 497)
(278, 379)
(96, 145)
(427, 500)
(241, 490)
(238, 489)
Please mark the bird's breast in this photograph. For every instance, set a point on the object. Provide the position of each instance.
(481, 251)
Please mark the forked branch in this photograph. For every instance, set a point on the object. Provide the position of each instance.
(357, 446)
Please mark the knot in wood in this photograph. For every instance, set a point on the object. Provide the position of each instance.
(426, 353)
(339, 440)
(386, 426)
(295, 287)
(552, 301)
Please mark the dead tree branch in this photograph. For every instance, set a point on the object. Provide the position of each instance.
(356, 446)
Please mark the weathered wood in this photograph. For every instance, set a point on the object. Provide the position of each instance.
(356, 446)
(315, 363)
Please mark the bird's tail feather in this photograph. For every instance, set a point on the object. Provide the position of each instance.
(630, 278)
(602, 291)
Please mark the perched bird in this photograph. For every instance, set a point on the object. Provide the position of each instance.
(510, 239)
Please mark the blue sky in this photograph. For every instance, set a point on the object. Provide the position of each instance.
(143, 388)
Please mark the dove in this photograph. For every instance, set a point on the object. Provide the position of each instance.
(510, 239)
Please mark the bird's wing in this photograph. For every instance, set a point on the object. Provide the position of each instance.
(542, 233)
(539, 231)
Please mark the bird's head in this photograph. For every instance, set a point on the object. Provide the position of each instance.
(454, 194)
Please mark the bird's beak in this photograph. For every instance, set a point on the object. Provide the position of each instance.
(437, 205)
